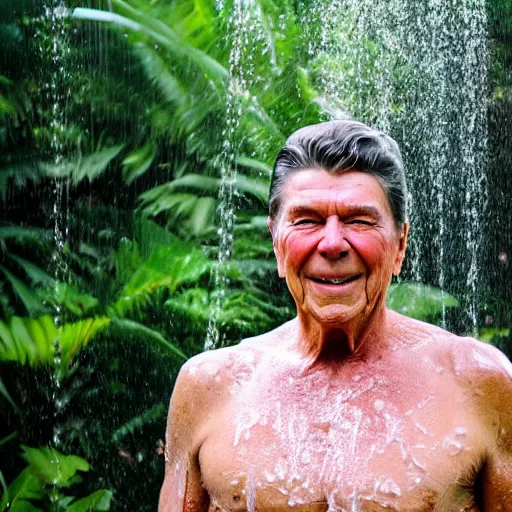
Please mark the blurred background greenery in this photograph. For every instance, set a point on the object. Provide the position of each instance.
(137, 143)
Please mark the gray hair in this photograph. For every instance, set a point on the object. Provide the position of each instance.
(338, 146)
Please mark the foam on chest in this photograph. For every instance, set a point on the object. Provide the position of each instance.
(344, 446)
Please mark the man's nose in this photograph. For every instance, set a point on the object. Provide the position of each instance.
(333, 244)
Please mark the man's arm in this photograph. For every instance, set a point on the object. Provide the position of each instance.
(496, 476)
(182, 490)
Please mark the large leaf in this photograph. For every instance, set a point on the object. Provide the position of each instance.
(20, 233)
(167, 267)
(130, 18)
(25, 488)
(28, 340)
(68, 297)
(75, 336)
(28, 297)
(33, 340)
(53, 467)
(99, 500)
(37, 275)
(130, 328)
(419, 301)
(94, 164)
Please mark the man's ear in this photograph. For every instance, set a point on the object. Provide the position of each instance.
(272, 227)
(402, 246)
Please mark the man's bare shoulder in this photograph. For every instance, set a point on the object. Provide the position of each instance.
(466, 356)
(216, 371)
(475, 364)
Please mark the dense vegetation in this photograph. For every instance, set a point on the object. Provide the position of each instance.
(137, 142)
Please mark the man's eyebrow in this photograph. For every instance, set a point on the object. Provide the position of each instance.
(350, 210)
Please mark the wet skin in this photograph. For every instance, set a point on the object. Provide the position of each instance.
(349, 406)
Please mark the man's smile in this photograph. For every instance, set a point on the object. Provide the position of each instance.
(336, 280)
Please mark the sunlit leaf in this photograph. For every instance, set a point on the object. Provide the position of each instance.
(419, 300)
(168, 267)
(256, 165)
(99, 500)
(75, 336)
(202, 215)
(53, 467)
(25, 488)
(490, 334)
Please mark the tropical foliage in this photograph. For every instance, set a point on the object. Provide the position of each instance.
(136, 148)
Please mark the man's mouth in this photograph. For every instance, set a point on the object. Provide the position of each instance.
(340, 280)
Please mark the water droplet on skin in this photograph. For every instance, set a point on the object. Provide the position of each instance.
(269, 477)
(356, 378)
(389, 486)
(378, 404)
(452, 446)
(460, 431)
(305, 458)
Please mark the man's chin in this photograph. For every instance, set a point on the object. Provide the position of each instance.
(337, 315)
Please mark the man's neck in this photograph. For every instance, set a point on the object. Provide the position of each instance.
(351, 341)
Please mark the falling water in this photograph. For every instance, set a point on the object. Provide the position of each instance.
(239, 81)
(55, 51)
(437, 111)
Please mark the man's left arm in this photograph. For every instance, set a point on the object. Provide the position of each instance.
(496, 477)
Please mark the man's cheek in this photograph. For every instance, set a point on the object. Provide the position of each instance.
(373, 252)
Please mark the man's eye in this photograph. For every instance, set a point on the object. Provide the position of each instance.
(362, 222)
(300, 222)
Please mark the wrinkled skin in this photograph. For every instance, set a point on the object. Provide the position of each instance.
(350, 406)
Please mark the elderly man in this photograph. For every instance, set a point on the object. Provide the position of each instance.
(349, 406)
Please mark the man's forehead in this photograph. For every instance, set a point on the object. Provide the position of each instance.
(314, 184)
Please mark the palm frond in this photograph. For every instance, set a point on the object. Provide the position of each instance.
(133, 329)
(155, 413)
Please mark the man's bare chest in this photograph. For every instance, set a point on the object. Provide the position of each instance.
(369, 445)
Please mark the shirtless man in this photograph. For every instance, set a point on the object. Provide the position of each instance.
(350, 406)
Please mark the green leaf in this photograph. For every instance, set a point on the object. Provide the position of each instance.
(203, 213)
(159, 73)
(155, 413)
(167, 267)
(489, 334)
(74, 336)
(30, 300)
(253, 186)
(7, 396)
(134, 20)
(10, 437)
(136, 163)
(27, 486)
(132, 328)
(36, 274)
(69, 297)
(94, 164)
(257, 165)
(99, 500)
(53, 467)
(28, 340)
(22, 234)
(419, 301)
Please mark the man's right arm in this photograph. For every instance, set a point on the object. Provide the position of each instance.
(182, 490)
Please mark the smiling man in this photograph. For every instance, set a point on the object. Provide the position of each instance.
(350, 406)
